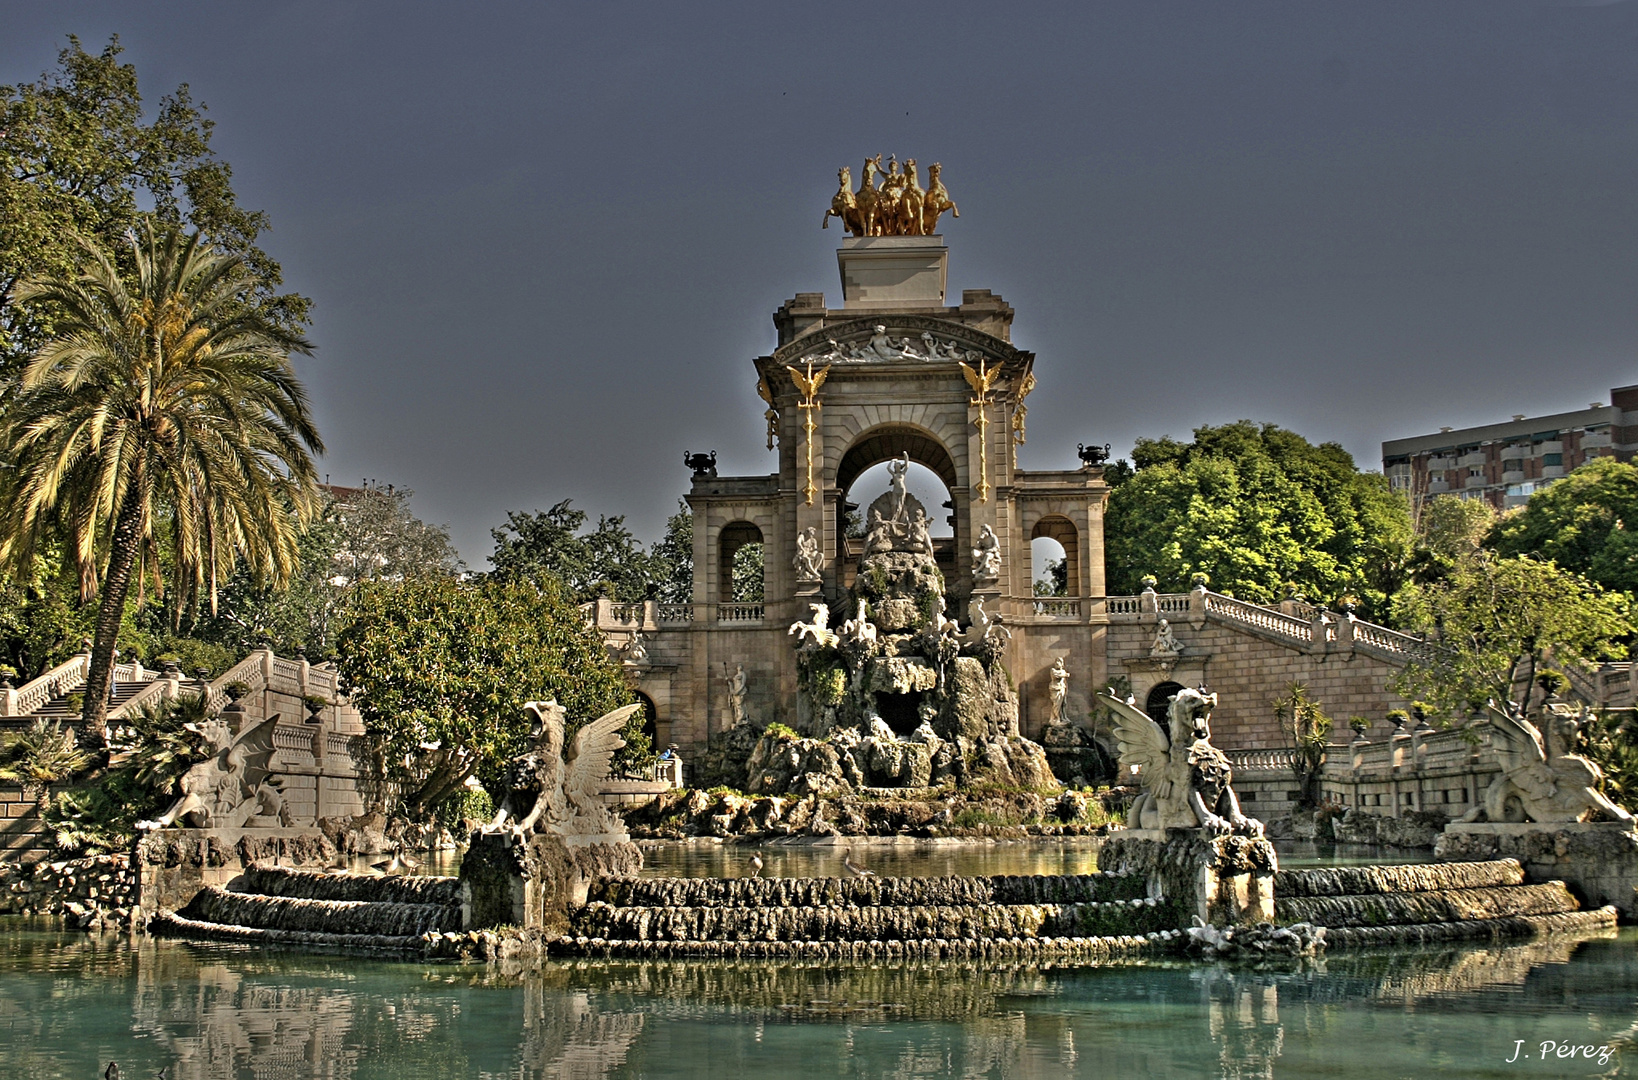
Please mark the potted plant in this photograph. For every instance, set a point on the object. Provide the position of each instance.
(1359, 725)
(1397, 718)
(315, 705)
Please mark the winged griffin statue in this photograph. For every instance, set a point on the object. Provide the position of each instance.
(1541, 780)
(230, 787)
(1186, 780)
(547, 792)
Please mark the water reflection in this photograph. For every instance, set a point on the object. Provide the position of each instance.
(69, 1003)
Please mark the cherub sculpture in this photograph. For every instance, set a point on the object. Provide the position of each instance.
(230, 787)
(1541, 780)
(548, 793)
(1186, 780)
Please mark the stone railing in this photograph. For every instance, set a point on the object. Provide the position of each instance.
(740, 613)
(672, 614)
(1253, 615)
(1058, 609)
(1296, 622)
(67, 676)
(1263, 759)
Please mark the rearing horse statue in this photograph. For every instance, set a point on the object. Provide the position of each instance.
(842, 205)
(936, 202)
(867, 199)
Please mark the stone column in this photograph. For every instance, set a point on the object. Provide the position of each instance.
(1219, 880)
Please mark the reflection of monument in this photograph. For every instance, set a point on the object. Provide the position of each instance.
(892, 374)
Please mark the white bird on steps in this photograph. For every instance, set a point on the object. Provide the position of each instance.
(756, 866)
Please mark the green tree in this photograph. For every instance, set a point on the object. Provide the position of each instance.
(1307, 731)
(79, 158)
(1494, 622)
(1259, 510)
(1586, 522)
(673, 558)
(167, 398)
(605, 559)
(361, 535)
(443, 667)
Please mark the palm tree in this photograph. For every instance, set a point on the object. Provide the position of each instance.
(162, 400)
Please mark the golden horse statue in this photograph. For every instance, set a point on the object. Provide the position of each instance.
(936, 201)
(894, 205)
(842, 205)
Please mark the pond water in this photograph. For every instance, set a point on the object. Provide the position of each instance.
(70, 1003)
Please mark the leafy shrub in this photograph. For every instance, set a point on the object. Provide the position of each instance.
(780, 731)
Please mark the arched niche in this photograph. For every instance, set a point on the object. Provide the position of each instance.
(887, 442)
(1061, 530)
(730, 538)
(651, 719)
(1159, 699)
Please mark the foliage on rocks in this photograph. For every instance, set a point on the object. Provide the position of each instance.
(1261, 510)
(446, 666)
(44, 753)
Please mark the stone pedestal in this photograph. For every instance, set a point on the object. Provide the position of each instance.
(1598, 860)
(885, 272)
(1220, 880)
(174, 864)
(535, 882)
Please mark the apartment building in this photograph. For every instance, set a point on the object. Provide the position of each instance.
(1505, 463)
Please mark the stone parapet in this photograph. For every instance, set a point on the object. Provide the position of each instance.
(1220, 880)
(1598, 860)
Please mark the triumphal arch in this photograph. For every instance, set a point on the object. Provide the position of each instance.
(894, 373)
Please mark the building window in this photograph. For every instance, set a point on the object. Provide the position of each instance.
(1552, 459)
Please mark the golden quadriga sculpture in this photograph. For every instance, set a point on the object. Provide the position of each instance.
(899, 206)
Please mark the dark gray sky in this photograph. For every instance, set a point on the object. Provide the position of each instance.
(545, 240)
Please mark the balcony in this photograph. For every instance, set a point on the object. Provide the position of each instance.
(1512, 472)
(1551, 472)
(1556, 446)
(1437, 487)
(1474, 460)
(1515, 452)
(1595, 439)
(1477, 482)
(1440, 464)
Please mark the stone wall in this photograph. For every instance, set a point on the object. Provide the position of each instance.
(1248, 672)
(23, 836)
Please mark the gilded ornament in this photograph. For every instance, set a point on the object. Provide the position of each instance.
(899, 206)
(808, 387)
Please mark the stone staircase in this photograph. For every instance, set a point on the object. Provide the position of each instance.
(278, 906)
(1090, 916)
(1421, 904)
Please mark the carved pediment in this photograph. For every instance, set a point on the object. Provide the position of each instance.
(897, 339)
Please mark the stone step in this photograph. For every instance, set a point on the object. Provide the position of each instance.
(315, 885)
(1441, 906)
(867, 892)
(221, 907)
(892, 950)
(1500, 929)
(171, 925)
(867, 923)
(1411, 877)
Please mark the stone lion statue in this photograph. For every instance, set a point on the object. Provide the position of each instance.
(1187, 782)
